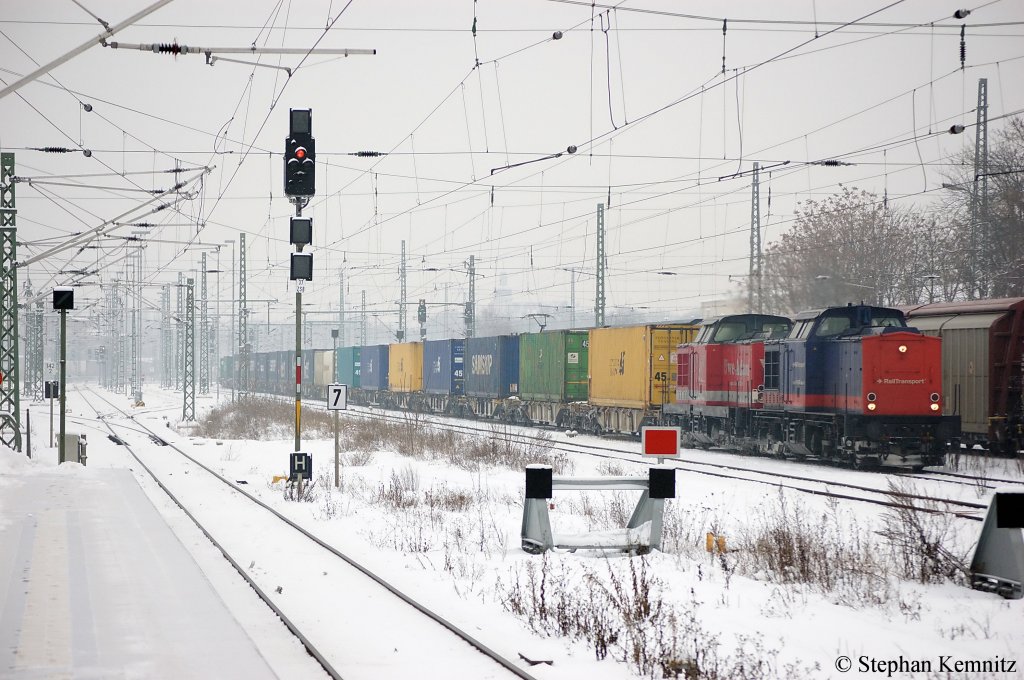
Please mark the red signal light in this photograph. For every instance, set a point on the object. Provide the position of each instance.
(300, 153)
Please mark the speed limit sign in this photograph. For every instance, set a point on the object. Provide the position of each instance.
(337, 397)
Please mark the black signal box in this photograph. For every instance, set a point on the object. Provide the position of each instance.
(63, 298)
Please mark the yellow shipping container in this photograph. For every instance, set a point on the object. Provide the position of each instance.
(635, 366)
(323, 367)
(405, 367)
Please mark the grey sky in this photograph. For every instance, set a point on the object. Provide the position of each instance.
(531, 96)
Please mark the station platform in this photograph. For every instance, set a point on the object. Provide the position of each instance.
(94, 584)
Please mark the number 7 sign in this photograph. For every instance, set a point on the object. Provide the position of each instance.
(337, 397)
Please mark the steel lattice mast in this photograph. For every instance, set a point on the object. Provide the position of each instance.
(979, 197)
(178, 321)
(599, 289)
(118, 338)
(204, 334)
(166, 338)
(754, 278)
(341, 307)
(471, 304)
(243, 326)
(401, 300)
(10, 395)
(33, 385)
(134, 267)
(362, 323)
(188, 409)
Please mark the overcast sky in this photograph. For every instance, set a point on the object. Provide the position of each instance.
(659, 131)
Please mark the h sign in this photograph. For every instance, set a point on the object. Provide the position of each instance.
(660, 441)
(300, 465)
(337, 397)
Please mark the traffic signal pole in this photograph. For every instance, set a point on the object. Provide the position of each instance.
(299, 185)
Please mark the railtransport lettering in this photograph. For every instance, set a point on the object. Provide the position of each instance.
(901, 381)
(942, 664)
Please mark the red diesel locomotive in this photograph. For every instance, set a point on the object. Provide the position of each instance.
(848, 384)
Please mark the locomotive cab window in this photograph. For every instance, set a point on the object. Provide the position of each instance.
(832, 326)
(730, 330)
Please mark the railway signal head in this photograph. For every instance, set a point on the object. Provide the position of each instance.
(300, 155)
(63, 298)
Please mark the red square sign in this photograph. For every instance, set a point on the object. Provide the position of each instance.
(660, 441)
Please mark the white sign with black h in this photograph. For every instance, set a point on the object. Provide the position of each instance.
(337, 397)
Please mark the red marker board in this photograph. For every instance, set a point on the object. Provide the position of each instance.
(660, 441)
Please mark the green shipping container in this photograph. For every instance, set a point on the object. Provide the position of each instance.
(553, 366)
(347, 366)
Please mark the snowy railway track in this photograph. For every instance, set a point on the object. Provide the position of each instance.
(822, 487)
(460, 642)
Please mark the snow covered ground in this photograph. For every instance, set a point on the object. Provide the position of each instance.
(805, 583)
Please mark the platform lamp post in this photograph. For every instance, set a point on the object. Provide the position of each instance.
(63, 300)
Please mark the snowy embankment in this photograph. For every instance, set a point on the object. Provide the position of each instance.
(803, 581)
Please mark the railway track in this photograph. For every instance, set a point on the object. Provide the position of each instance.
(811, 485)
(462, 640)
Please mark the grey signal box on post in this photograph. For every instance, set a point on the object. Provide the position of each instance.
(51, 389)
(302, 267)
(301, 232)
(63, 298)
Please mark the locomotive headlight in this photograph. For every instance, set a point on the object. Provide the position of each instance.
(872, 406)
(872, 396)
(934, 396)
(935, 407)
(903, 349)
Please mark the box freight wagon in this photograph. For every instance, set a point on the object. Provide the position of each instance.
(405, 367)
(634, 366)
(443, 367)
(374, 367)
(553, 366)
(982, 350)
(492, 366)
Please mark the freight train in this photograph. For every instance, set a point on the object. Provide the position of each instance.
(853, 385)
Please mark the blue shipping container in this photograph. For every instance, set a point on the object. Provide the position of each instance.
(492, 366)
(373, 367)
(443, 366)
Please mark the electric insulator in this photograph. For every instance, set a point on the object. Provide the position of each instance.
(557, 35)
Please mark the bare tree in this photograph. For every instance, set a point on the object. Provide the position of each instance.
(849, 247)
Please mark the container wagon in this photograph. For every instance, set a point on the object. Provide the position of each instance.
(492, 373)
(444, 376)
(632, 374)
(347, 367)
(552, 377)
